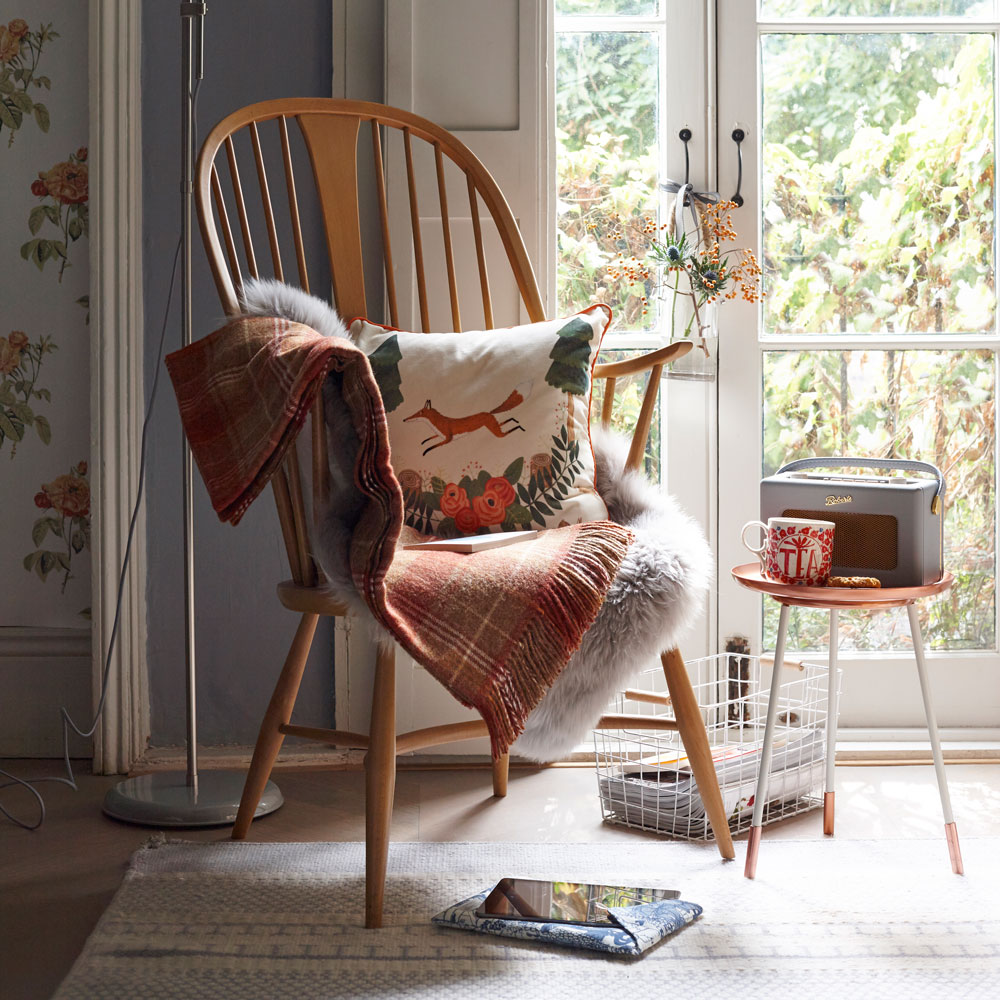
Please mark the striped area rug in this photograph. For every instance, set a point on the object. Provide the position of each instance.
(846, 919)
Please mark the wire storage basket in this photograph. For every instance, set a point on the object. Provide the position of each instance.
(644, 777)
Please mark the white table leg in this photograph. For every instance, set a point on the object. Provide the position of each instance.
(951, 832)
(760, 796)
(832, 714)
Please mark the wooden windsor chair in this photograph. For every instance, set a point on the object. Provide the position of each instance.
(332, 131)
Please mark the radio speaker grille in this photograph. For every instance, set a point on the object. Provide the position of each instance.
(860, 541)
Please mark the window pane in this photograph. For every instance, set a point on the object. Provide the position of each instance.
(931, 406)
(878, 178)
(648, 8)
(875, 8)
(607, 163)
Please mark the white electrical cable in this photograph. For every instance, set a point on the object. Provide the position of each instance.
(68, 723)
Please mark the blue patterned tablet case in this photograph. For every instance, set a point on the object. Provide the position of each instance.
(639, 927)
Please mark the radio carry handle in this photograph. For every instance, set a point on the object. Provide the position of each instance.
(846, 462)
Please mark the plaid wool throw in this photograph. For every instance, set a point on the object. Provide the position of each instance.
(494, 627)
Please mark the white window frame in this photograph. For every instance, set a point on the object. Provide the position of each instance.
(691, 104)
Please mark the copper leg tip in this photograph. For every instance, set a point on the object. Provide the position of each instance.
(753, 846)
(828, 813)
(954, 851)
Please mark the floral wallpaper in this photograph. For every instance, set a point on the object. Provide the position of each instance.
(44, 315)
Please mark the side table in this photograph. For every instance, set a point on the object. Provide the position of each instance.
(835, 599)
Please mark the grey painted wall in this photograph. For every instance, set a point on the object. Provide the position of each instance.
(254, 50)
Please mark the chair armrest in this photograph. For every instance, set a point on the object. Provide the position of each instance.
(632, 366)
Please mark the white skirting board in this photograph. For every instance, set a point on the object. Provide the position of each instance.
(42, 670)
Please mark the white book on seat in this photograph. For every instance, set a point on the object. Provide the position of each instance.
(475, 543)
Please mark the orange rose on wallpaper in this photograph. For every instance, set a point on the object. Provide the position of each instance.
(20, 56)
(66, 502)
(20, 365)
(69, 494)
(67, 181)
(10, 356)
(64, 192)
(10, 45)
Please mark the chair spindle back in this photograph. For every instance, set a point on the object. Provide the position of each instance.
(344, 187)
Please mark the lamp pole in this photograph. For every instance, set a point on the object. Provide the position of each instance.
(169, 798)
(192, 70)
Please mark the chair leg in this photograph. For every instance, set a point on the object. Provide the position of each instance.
(501, 767)
(764, 768)
(279, 712)
(950, 830)
(691, 727)
(380, 782)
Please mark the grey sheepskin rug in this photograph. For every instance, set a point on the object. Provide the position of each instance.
(657, 594)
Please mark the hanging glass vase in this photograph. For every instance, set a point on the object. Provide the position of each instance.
(701, 363)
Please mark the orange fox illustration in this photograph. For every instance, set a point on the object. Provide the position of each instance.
(447, 427)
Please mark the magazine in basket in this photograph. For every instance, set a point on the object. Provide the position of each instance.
(659, 792)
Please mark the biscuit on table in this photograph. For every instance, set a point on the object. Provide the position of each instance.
(855, 582)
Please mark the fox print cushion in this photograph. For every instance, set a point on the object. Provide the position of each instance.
(489, 430)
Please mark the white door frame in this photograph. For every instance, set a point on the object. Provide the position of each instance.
(117, 396)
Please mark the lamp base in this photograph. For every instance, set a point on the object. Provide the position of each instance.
(164, 798)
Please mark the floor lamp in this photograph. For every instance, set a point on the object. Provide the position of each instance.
(187, 798)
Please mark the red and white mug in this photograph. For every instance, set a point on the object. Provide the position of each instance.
(794, 549)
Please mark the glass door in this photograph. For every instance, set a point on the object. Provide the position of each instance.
(629, 77)
(870, 184)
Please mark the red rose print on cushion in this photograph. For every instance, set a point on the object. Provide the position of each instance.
(454, 500)
(411, 483)
(466, 520)
(502, 488)
(489, 508)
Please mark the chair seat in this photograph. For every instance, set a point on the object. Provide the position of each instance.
(310, 600)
